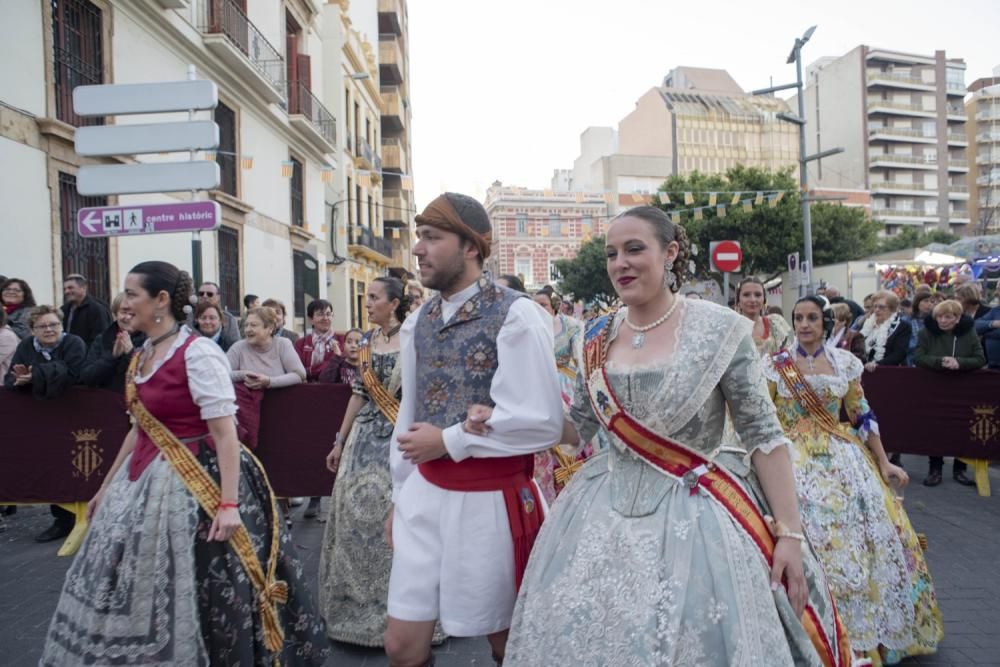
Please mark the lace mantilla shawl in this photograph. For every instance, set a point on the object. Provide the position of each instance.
(707, 339)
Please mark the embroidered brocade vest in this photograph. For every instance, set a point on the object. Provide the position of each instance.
(456, 360)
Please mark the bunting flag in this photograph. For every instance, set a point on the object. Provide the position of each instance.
(759, 199)
(736, 199)
(395, 232)
(721, 210)
(579, 197)
(609, 197)
(688, 198)
(747, 205)
(675, 218)
(547, 192)
(364, 179)
(246, 161)
(406, 182)
(713, 198)
(286, 168)
(342, 231)
(209, 156)
(778, 197)
(664, 198)
(698, 215)
(772, 201)
(326, 174)
(638, 199)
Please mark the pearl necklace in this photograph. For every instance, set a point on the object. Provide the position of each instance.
(640, 332)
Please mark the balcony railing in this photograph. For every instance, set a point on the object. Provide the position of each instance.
(902, 213)
(987, 158)
(395, 154)
(365, 153)
(909, 132)
(955, 110)
(899, 106)
(365, 237)
(390, 59)
(302, 101)
(893, 185)
(988, 136)
(957, 188)
(958, 137)
(958, 162)
(990, 113)
(904, 159)
(225, 17)
(899, 78)
(955, 87)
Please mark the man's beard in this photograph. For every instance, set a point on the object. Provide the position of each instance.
(445, 276)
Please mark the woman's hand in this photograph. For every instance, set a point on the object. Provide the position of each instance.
(871, 366)
(225, 524)
(890, 472)
(387, 529)
(951, 363)
(94, 502)
(255, 381)
(123, 344)
(22, 375)
(333, 458)
(475, 422)
(788, 565)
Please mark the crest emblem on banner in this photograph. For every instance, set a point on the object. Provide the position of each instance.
(86, 454)
(984, 425)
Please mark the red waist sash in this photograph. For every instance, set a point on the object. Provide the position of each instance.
(511, 475)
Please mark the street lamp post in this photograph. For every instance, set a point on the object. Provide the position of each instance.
(796, 57)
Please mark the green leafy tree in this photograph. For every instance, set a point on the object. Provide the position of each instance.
(912, 237)
(586, 275)
(767, 234)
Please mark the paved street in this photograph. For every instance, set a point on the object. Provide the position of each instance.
(961, 529)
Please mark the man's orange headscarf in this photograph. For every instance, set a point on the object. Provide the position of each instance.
(461, 215)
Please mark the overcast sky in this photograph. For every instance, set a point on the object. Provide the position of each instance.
(502, 90)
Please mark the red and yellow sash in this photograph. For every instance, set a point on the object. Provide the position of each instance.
(806, 396)
(386, 402)
(698, 473)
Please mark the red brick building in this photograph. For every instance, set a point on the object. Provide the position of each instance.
(532, 229)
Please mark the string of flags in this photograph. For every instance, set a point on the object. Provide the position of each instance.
(734, 198)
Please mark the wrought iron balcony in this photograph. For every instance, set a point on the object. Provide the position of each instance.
(309, 115)
(233, 37)
(364, 238)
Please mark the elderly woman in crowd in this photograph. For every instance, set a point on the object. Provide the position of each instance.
(886, 333)
(208, 322)
(970, 295)
(512, 282)
(319, 347)
(843, 337)
(47, 363)
(415, 291)
(109, 353)
(17, 303)
(261, 360)
(279, 310)
(949, 343)
(8, 343)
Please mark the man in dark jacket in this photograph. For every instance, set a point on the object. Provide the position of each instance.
(211, 293)
(83, 315)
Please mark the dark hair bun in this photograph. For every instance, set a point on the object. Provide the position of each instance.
(180, 300)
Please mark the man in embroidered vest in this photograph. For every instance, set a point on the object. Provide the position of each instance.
(466, 510)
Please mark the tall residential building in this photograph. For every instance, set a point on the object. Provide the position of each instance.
(900, 120)
(278, 140)
(397, 156)
(532, 229)
(983, 133)
(699, 119)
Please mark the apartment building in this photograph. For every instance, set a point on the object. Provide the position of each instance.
(532, 229)
(901, 121)
(278, 140)
(983, 134)
(698, 119)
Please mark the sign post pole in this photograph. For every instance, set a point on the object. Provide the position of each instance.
(196, 273)
(725, 287)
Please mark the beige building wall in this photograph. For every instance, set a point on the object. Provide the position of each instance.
(647, 130)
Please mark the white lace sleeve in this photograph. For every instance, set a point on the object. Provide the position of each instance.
(209, 380)
(754, 417)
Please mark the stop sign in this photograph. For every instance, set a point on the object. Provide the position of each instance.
(726, 256)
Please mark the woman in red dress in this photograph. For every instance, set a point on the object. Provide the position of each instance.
(185, 562)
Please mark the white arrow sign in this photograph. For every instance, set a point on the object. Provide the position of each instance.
(91, 222)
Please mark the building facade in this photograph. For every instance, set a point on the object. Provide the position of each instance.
(983, 134)
(900, 119)
(532, 229)
(698, 120)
